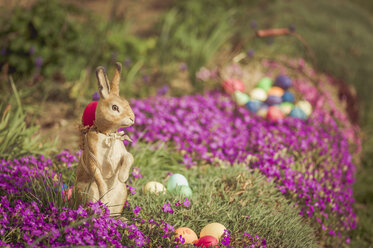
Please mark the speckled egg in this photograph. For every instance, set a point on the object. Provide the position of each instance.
(273, 100)
(206, 241)
(265, 83)
(298, 113)
(288, 97)
(286, 107)
(305, 106)
(231, 85)
(240, 98)
(275, 91)
(275, 113)
(213, 229)
(258, 94)
(154, 187)
(176, 180)
(188, 234)
(253, 106)
(283, 82)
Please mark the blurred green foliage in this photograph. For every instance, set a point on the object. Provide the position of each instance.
(57, 41)
(16, 137)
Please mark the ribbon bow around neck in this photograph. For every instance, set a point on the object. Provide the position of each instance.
(107, 168)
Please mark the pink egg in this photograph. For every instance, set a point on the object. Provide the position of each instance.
(206, 241)
(274, 113)
(89, 114)
(231, 85)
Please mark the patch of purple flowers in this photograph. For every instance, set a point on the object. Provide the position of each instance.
(309, 160)
(46, 225)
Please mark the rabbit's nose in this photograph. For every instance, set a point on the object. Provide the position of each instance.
(128, 121)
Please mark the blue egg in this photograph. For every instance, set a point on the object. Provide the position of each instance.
(273, 100)
(298, 113)
(176, 180)
(253, 106)
(288, 97)
(283, 81)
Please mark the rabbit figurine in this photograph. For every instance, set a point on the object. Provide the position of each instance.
(105, 163)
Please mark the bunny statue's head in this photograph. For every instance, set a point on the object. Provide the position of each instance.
(112, 112)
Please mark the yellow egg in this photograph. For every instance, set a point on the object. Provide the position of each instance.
(305, 106)
(154, 187)
(213, 229)
(188, 234)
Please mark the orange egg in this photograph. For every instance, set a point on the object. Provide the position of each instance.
(188, 234)
(275, 91)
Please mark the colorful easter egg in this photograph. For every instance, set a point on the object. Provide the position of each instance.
(288, 97)
(188, 234)
(67, 193)
(240, 98)
(89, 114)
(176, 180)
(286, 107)
(253, 106)
(184, 190)
(298, 113)
(206, 241)
(275, 91)
(265, 83)
(258, 94)
(283, 82)
(213, 229)
(154, 187)
(231, 85)
(305, 106)
(263, 109)
(275, 113)
(273, 100)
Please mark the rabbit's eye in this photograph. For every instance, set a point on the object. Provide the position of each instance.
(115, 108)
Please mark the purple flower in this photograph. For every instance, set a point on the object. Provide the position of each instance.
(32, 50)
(226, 239)
(95, 96)
(163, 90)
(292, 28)
(136, 210)
(183, 67)
(186, 203)
(136, 172)
(250, 53)
(127, 62)
(167, 208)
(131, 189)
(253, 24)
(38, 62)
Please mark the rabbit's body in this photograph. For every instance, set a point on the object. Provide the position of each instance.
(105, 163)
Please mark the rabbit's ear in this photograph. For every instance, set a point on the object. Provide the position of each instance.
(116, 79)
(103, 82)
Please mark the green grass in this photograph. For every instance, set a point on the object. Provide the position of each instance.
(221, 194)
(240, 199)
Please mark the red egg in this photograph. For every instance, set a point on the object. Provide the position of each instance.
(206, 241)
(274, 113)
(231, 85)
(89, 114)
